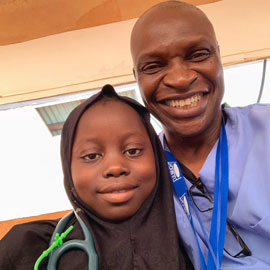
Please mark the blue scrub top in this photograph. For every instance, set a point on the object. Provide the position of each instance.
(248, 132)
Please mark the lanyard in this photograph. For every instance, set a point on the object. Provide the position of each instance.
(218, 225)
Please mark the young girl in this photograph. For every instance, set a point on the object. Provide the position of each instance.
(116, 178)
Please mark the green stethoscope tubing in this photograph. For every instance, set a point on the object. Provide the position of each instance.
(58, 248)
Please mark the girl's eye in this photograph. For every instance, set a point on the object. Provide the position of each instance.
(200, 55)
(92, 156)
(133, 152)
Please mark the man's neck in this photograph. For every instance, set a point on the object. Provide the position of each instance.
(192, 151)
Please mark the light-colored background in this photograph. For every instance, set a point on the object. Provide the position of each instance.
(82, 60)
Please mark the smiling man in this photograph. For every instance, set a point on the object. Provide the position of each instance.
(178, 68)
(221, 155)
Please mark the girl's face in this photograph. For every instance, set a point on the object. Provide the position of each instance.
(113, 164)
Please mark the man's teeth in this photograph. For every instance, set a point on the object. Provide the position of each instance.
(183, 102)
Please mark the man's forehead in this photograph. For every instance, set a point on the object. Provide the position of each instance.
(157, 23)
(164, 16)
(167, 10)
(170, 5)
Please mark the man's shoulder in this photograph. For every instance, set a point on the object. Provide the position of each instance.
(249, 109)
(253, 112)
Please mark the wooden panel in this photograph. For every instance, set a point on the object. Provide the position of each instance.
(29, 19)
(129, 11)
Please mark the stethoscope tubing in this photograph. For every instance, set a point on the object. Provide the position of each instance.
(87, 245)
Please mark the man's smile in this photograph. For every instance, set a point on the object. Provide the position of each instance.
(187, 106)
(184, 103)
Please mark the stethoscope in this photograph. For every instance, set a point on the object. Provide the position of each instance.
(58, 248)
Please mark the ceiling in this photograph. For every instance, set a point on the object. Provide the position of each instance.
(23, 20)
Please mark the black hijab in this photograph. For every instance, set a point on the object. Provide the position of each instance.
(147, 240)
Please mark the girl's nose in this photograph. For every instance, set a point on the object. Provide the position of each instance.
(115, 167)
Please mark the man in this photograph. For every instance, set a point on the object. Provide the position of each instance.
(223, 152)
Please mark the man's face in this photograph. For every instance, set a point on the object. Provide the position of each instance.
(177, 66)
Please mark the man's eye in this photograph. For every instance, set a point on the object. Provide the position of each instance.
(151, 68)
(200, 55)
(92, 156)
(133, 152)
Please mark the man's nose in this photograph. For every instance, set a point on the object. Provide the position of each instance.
(179, 75)
(115, 166)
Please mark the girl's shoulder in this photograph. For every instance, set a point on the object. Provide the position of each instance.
(24, 243)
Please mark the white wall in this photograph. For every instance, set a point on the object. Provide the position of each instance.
(30, 168)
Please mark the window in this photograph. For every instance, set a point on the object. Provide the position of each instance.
(245, 82)
(55, 115)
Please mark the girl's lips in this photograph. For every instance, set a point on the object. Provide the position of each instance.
(119, 197)
(118, 193)
(117, 188)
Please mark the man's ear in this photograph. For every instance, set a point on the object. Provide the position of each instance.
(134, 73)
